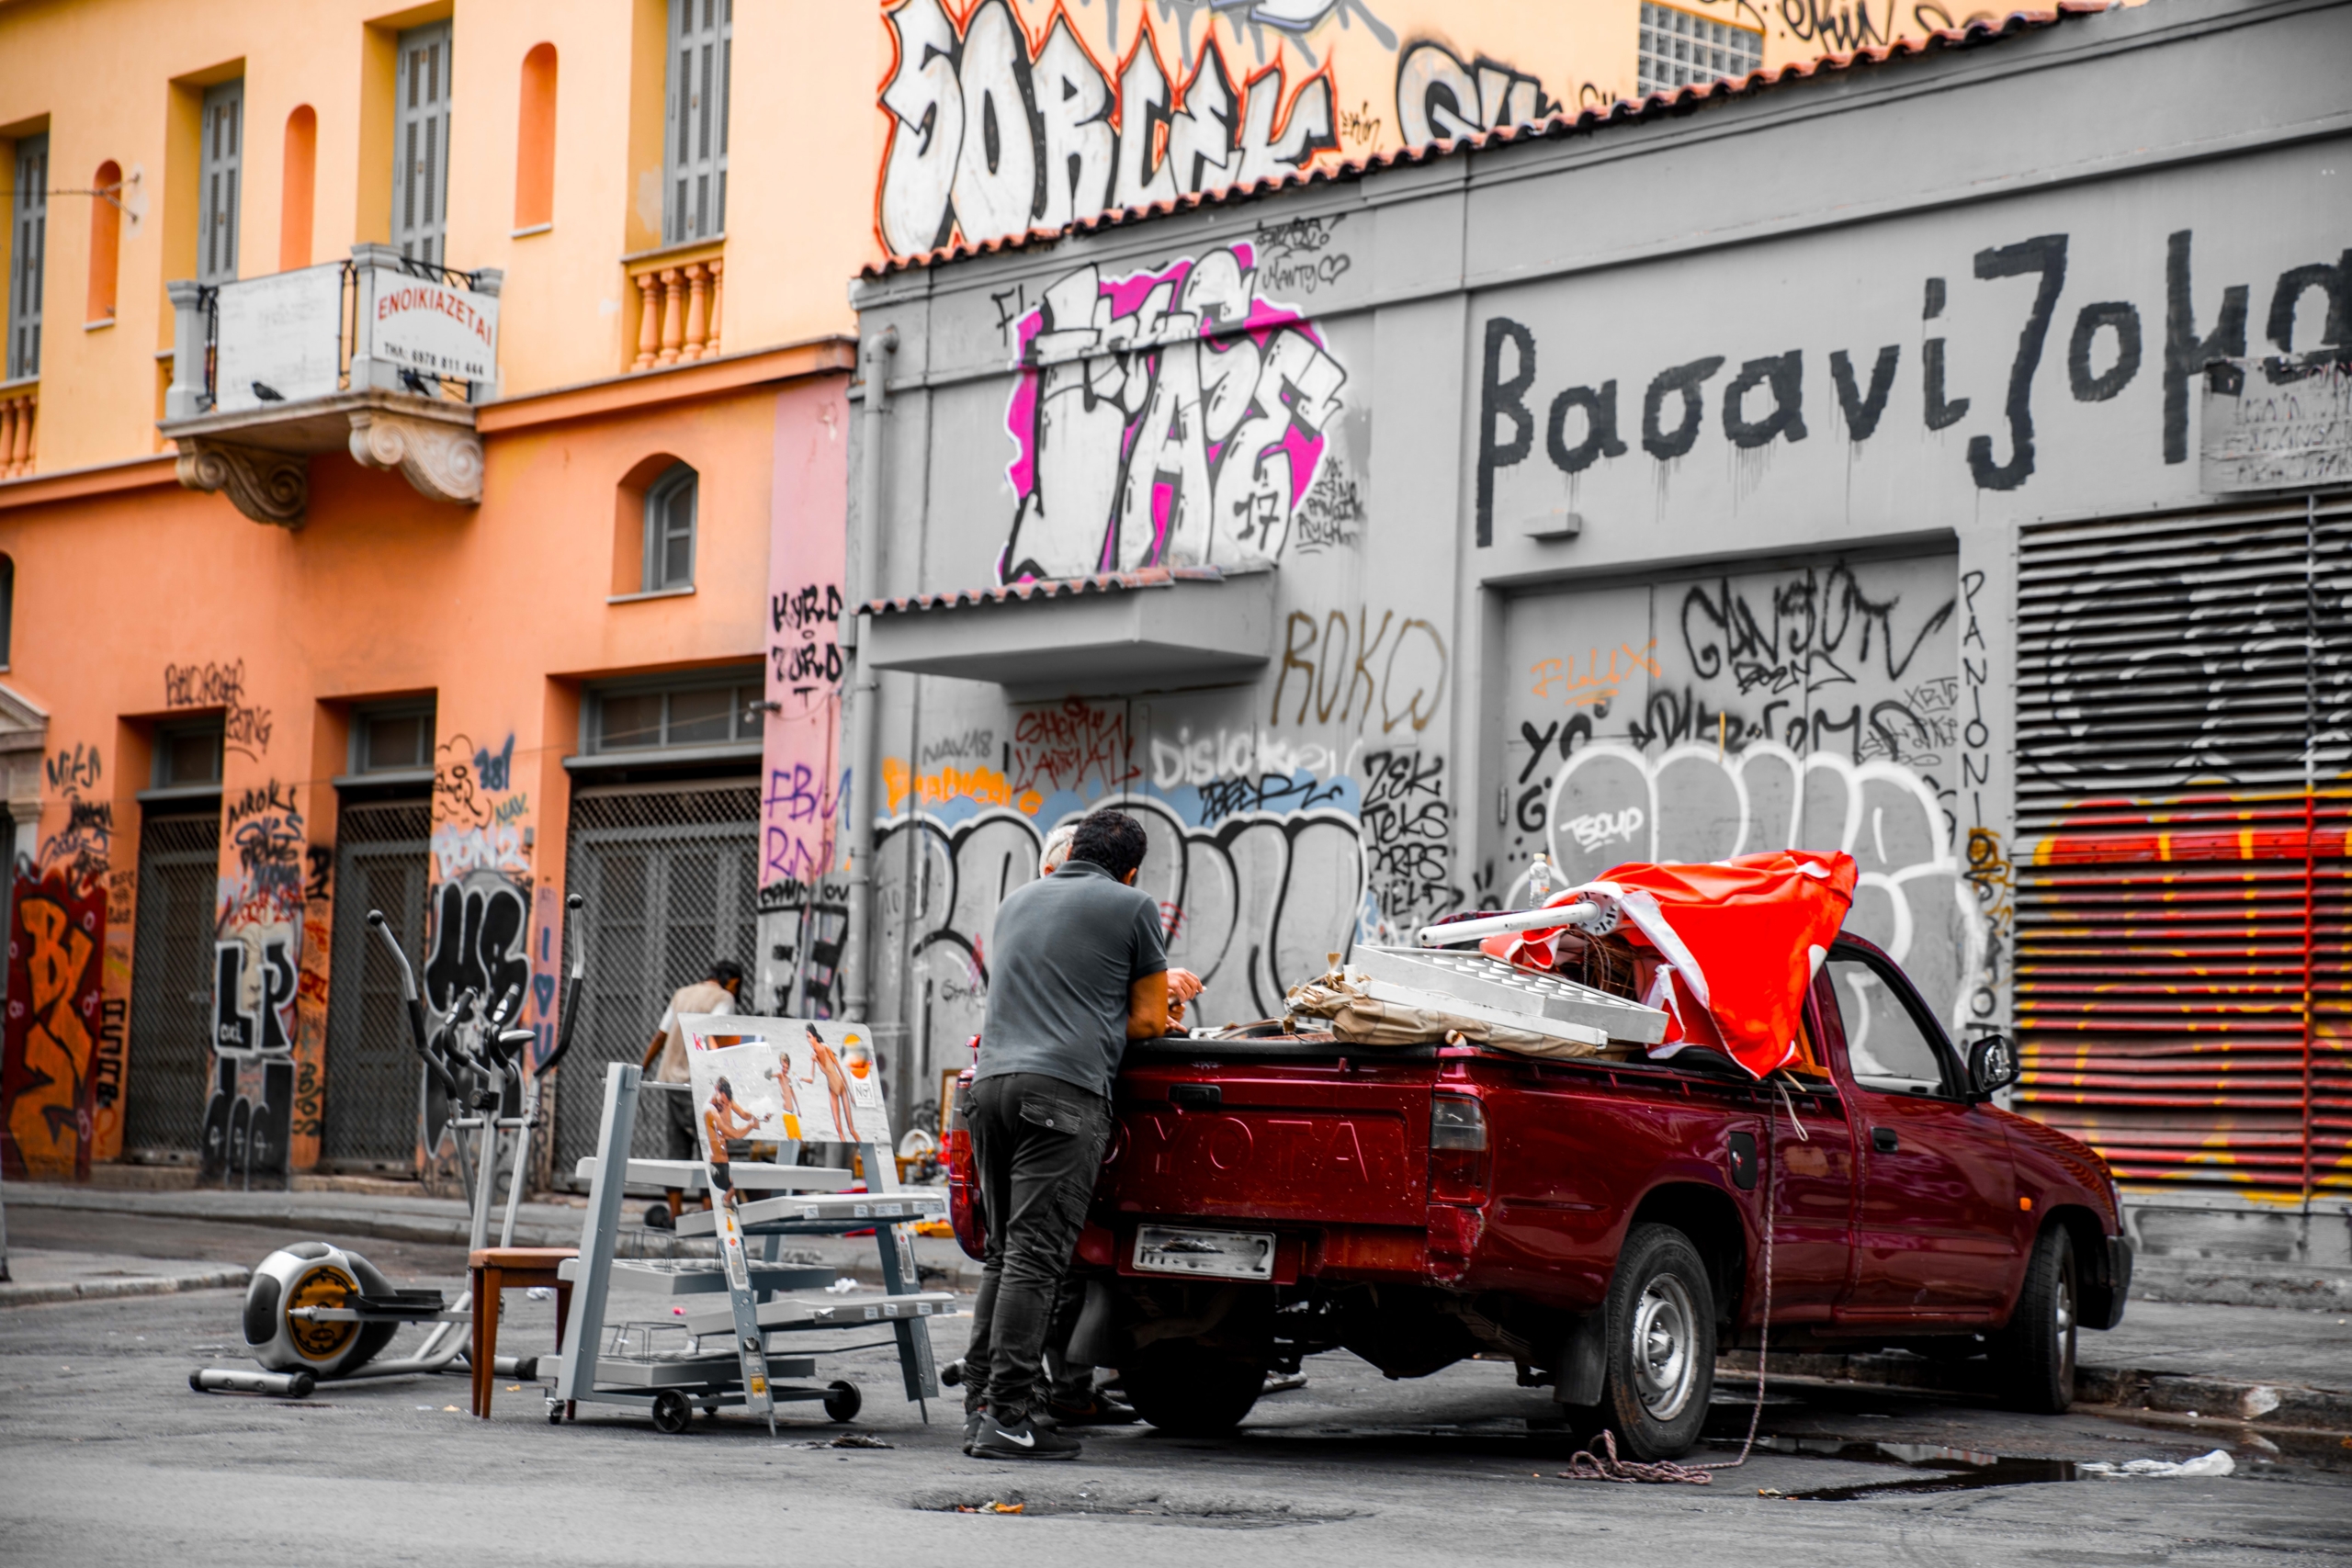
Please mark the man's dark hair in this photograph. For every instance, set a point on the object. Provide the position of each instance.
(1112, 840)
(726, 972)
(722, 1090)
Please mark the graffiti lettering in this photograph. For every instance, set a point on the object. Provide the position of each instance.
(244, 728)
(1071, 746)
(1172, 417)
(48, 1086)
(1439, 96)
(1408, 689)
(995, 131)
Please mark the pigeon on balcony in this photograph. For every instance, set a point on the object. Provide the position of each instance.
(268, 394)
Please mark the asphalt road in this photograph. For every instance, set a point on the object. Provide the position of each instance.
(110, 1457)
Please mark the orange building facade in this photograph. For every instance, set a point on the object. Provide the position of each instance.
(440, 644)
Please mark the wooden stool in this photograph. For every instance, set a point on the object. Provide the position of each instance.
(497, 1269)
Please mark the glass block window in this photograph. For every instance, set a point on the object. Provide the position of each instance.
(1678, 48)
(705, 713)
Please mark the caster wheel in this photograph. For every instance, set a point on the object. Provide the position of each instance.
(672, 1412)
(842, 1402)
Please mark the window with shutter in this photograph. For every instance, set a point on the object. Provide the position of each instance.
(670, 531)
(420, 144)
(695, 151)
(29, 242)
(221, 169)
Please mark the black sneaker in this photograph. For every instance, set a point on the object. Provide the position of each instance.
(1022, 1439)
(1100, 1411)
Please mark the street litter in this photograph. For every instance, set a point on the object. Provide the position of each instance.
(851, 1441)
(539, 1293)
(2218, 1462)
(841, 1286)
(991, 1507)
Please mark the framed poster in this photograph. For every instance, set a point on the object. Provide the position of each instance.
(772, 1080)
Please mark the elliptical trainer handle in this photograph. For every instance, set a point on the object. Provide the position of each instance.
(573, 985)
(418, 1034)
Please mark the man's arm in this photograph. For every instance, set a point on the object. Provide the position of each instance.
(661, 1038)
(1147, 1007)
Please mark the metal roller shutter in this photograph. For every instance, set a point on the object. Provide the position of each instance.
(2183, 956)
(383, 861)
(171, 986)
(671, 881)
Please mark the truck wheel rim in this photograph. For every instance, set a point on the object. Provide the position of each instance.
(2062, 1313)
(1664, 1369)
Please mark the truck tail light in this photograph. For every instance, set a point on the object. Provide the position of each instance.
(1458, 1156)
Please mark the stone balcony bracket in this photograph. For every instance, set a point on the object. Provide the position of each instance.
(260, 459)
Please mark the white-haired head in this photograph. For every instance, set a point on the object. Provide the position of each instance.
(1057, 844)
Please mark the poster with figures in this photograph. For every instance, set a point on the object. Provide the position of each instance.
(782, 1079)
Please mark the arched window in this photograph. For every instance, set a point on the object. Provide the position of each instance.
(106, 241)
(296, 206)
(535, 143)
(670, 531)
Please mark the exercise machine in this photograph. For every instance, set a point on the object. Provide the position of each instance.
(318, 1313)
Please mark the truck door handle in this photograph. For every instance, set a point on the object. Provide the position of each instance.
(1199, 1095)
(1883, 1141)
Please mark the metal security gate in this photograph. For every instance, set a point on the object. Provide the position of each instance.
(671, 881)
(382, 860)
(171, 984)
(2184, 969)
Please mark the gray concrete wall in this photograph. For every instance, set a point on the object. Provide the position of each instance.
(1701, 354)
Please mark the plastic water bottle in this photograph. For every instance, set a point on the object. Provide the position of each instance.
(1539, 879)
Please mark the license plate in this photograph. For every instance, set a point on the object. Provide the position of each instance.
(1223, 1255)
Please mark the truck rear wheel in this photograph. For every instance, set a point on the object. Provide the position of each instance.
(1189, 1391)
(2035, 1354)
(1660, 1369)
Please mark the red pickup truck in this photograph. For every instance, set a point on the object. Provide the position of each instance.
(1600, 1223)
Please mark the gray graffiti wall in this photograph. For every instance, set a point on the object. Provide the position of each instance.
(1600, 524)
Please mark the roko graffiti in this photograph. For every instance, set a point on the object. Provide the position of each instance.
(48, 1084)
(1168, 417)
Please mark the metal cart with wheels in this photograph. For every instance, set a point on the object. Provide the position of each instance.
(716, 1356)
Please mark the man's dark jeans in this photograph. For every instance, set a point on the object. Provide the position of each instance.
(1037, 1147)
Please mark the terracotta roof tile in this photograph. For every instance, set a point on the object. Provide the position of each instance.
(1049, 587)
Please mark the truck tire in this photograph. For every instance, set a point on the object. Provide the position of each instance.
(2035, 1354)
(1189, 1391)
(1659, 1369)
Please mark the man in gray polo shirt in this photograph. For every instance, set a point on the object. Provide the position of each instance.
(1077, 968)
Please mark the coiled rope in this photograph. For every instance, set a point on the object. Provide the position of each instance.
(1586, 1465)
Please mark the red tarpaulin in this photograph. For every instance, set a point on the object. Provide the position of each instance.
(1739, 940)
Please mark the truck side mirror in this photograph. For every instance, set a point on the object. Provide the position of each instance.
(1992, 1065)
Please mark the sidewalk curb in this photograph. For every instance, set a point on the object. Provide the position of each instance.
(26, 1294)
(2109, 1390)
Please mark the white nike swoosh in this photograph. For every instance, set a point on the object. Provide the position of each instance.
(1029, 1441)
